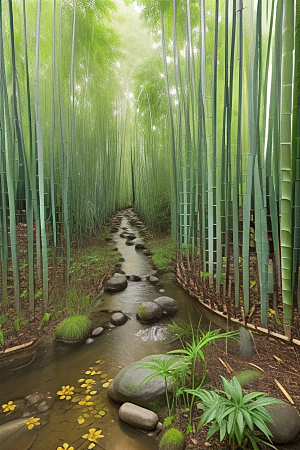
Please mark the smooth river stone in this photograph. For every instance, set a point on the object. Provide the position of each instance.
(168, 304)
(118, 318)
(138, 417)
(149, 311)
(286, 426)
(15, 435)
(97, 331)
(116, 284)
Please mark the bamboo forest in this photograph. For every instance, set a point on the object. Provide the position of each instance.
(186, 113)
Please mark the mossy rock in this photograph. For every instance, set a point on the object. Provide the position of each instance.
(173, 439)
(73, 329)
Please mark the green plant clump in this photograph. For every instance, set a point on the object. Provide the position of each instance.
(73, 329)
(164, 252)
(236, 415)
(172, 440)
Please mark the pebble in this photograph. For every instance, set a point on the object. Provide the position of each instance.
(89, 341)
(97, 331)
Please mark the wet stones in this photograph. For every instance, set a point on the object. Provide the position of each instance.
(118, 318)
(128, 385)
(97, 331)
(286, 427)
(153, 280)
(133, 277)
(15, 434)
(130, 243)
(137, 416)
(140, 245)
(116, 284)
(168, 304)
(151, 311)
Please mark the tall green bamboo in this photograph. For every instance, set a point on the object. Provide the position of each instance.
(40, 162)
(286, 147)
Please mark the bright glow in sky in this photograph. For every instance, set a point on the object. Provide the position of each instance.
(137, 7)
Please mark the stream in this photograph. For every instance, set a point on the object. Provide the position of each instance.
(108, 353)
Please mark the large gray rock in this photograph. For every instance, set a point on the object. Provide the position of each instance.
(138, 417)
(15, 435)
(168, 304)
(128, 385)
(286, 426)
(117, 283)
(149, 312)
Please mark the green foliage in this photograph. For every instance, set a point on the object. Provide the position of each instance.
(1, 338)
(170, 369)
(248, 376)
(163, 252)
(3, 319)
(77, 304)
(17, 324)
(173, 439)
(44, 320)
(181, 329)
(194, 351)
(236, 415)
(73, 328)
(38, 294)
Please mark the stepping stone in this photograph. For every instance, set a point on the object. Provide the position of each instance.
(153, 279)
(128, 385)
(118, 318)
(115, 284)
(168, 304)
(140, 245)
(138, 417)
(149, 312)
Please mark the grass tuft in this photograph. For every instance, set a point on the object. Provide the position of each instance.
(173, 439)
(163, 252)
(74, 328)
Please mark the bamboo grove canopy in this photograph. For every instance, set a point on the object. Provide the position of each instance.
(199, 127)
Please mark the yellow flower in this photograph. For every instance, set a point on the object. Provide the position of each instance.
(92, 445)
(80, 420)
(93, 435)
(66, 392)
(88, 383)
(33, 421)
(92, 371)
(86, 401)
(65, 447)
(10, 406)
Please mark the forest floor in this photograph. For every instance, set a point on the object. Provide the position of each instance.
(277, 361)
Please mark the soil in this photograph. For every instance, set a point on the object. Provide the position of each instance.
(276, 360)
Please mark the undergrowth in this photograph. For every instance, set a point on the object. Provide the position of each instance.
(163, 251)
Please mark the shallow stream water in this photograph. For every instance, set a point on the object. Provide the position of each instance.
(113, 349)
